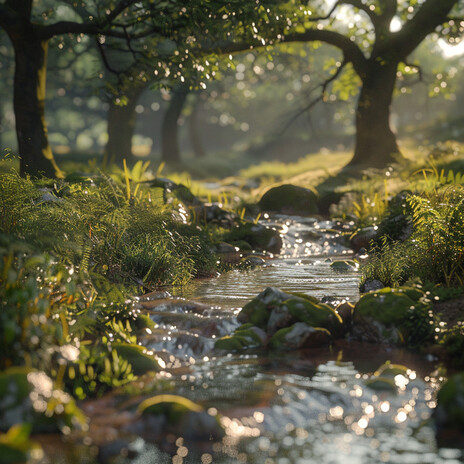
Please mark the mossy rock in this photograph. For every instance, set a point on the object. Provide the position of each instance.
(392, 316)
(386, 306)
(382, 384)
(135, 355)
(245, 337)
(299, 336)
(384, 377)
(183, 417)
(259, 237)
(315, 314)
(258, 310)
(289, 199)
(173, 407)
(143, 322)
(344, 266)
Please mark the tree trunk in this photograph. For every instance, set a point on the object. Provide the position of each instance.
(29, 105)
(170, 152)
(375, 144)
(121, 125)
(194, 132)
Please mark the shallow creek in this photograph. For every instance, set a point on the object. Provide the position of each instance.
(283, 408)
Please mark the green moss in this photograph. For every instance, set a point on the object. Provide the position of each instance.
(299, 335)
(173, 407)
(136, 355)
(289, 198)
(313, 314)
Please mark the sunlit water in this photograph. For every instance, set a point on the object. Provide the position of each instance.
(304, 407)
(303, 266)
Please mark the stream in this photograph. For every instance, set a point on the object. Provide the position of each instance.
(303, 407)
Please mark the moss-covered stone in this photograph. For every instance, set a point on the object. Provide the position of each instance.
(315, 314)
(384, 377)
(259, 237)
(289, 199)
(258, 310)
(298, 336)
(244, 337)
(396, 316)
(344, 266)
(183, 417)
(136, 355)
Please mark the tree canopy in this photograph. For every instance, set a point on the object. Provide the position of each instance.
(181, 42)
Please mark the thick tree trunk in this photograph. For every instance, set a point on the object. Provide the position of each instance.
(194, 131)
(29, 105)
(170, 152)
(375, 144)
(121, 125)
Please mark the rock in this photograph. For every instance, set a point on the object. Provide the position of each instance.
(289, 199)
(384, 377)
(280, 317)
(273, 309)
(345, 311)
(396, 316)
(182, 417)
(362, 238)
(449, 413)
(227, 253)
(344, 266)
(371, 286)
(258, 310)
(136, 355)
(246, 336)
(298, 336)
(258, 236)
(315, 314)
(213, 213)
(252, 261)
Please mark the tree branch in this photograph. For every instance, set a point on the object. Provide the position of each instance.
(431, 14)
(314, 102)
(351, 52)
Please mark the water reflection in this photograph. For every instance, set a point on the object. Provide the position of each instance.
(301, 267)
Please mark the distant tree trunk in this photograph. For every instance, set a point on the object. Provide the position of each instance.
(29, 104)
(375, 143)
(121, 125)
(194, 132)
(170, 152)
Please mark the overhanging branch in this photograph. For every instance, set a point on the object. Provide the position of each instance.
(323, 86)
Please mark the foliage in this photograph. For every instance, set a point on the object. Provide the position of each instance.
(65, 309)
(98, 224)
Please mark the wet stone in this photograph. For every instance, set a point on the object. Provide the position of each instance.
(298, 336)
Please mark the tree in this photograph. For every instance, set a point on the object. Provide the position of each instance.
(31, 24)
(375, 52)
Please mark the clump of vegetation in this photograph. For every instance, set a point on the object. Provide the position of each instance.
(98, 224)
(434, 251)
(71, 255)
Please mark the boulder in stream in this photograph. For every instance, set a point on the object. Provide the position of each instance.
(299, 336)
(289, 199)
(284, 321)
(257, 236)
(177, 415)
(395, 316)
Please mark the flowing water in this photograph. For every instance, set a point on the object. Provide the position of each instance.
(303, 407)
